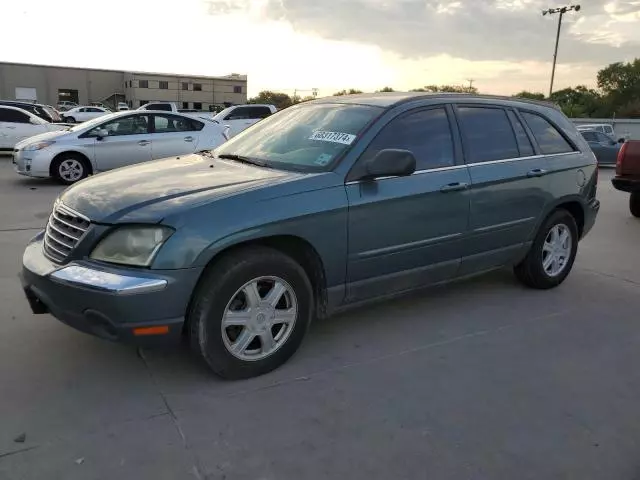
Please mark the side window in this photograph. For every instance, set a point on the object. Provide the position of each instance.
(132, 125)
(239, 113)
(548, 137)
(608, 130)
(171, 123)
(487, 133)
(603, 138)
(426, 133)
(260, 112)
(590, 136)
(524, 144)
(13, 116)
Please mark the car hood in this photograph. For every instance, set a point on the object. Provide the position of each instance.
(150, 191)
(41, 137)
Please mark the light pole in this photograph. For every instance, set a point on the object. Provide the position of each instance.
(561, 11)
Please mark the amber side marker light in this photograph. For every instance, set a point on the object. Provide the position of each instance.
(160, 330)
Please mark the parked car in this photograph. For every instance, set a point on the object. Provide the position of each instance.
(605, 128)
(45, 112)
(65, 105)
(82, 114)
(114, 141)
(240, 117)
(323, 205)
(627, 177)
(122, 107)
(101, 105)
(603, 146)
(17, 124)
(160, 106)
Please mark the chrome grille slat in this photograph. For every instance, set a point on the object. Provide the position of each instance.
(65, 229)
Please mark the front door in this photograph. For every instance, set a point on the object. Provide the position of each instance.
(408, 231)
(508, 185)
(128, 142)
(604, 148)
(173, 135)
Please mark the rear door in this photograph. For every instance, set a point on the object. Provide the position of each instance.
(408, 231)
(128, 142)
(508, 187)
(173, 135)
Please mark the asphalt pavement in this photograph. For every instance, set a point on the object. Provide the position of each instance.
(483, 379)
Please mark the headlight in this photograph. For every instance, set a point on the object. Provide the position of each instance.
(38, 146)
(131, 245)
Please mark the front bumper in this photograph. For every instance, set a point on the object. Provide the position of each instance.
(138, 306)
(33, 163)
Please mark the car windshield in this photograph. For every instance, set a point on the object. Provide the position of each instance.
(303, 138)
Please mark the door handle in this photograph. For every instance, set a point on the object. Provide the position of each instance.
(454, 187)
(536, 172)
(188, 139)
(143, 143)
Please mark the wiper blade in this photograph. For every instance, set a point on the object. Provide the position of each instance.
(240, 158)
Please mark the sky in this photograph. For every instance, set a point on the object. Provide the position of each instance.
(504, 46)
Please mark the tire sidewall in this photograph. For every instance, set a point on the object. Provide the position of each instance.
(634, 204)
(214, 298)
(558, 217)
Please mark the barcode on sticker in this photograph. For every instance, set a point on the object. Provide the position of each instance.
(335, 137)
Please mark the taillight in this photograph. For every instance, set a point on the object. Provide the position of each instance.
(620, 158)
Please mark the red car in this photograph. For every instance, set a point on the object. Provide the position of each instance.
(627, 177)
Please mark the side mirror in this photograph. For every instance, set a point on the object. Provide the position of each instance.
(390, 163)
(101, 133)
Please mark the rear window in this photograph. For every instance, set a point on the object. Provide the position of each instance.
(487, 133)
(548, 137)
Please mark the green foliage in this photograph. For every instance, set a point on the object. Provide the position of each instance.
(386, 90)
(620, 82)
(351, 91)
(280, 100)
(581, 101)
(530, 95)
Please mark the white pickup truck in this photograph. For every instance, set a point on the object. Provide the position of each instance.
(237, 117)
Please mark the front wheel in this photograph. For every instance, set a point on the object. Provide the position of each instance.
(634, 204)
(69, 169)
(70, 120)
(552, 253)
(250, 312)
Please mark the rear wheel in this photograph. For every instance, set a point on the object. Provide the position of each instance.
(634, 204)
(69, 168)
(250, 312)
(552, 253)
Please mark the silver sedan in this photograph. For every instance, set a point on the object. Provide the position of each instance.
(114, 141)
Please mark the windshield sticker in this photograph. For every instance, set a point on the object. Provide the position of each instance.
(323, 159)
(335, 137)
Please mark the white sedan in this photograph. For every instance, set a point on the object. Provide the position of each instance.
(113, 141)
(82, 114)
(17, 124)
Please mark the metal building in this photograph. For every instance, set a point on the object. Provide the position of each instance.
(50, 85)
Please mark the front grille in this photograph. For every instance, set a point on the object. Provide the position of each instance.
(64, 230)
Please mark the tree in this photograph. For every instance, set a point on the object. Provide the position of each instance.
(530, 95)
(581, 101)
(351, 91)
(386, 90)
(620, 82)
(280, 100)
(446, 88)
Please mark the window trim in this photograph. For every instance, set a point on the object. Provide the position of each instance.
(458, 161)
(527, 132)
(553, 124)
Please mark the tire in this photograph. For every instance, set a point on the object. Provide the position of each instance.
(70, 120)
(531, 271)
(69, 168)
(225, 289)
(634, 204)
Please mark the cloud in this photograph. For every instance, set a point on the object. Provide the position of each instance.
(507, 30)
